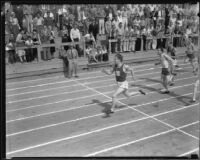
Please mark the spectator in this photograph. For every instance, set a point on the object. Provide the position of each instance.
(125, 17)
(52, 41)
(144, 37)
(99, 55)
(45, 40)
(93, 55)
(88, 51)
(48, 20)
(36, 41)
(14, 25)
(115, 22)
(120, 33)
(75, 37)
(119, 17)
(104, 53)
(10, 50)
(72, 56)
(126, 40)
(22, 55)
(167, 18)
(131, 39)
(155, 17)
(149, 36)
(90, 40)
(27, 10)
(138, 39)
(65, 36)
(38, 23)
(29, 50)
(113, 36)
(20, 40)
(137, 21)
(108, 27)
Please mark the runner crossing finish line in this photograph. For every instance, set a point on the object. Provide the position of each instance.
(121, 71)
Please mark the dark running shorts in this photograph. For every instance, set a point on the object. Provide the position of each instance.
(190, 56)
(165, 71)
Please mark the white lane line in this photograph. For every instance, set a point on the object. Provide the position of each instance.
(48, 89)
(44, 84)
(82, 97)
(92, 116)
(27, 99)
(87, 83)
(17, 94)
(44, 114)
(138, 66)
(167, 124)
(66, 81)
(76, 136)
(189, 152)
(135, 141)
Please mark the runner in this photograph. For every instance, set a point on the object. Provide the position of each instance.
(165, 61)
(190, 54)
(172, 52)
(121, 70)
(196, 84)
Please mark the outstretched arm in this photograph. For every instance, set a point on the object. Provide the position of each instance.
(108, 72)
(169, 59)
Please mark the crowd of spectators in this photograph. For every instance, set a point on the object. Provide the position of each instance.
(129, 25)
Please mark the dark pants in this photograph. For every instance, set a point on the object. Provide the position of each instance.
(159, 43)
(52, 49)
(144, 42)
(138, 44)
(65, 66)
(11, 56)
(77, 47)
(29, 54)
(105, 57)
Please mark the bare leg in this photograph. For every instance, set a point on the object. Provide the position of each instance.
(165, 84)
(114, 97)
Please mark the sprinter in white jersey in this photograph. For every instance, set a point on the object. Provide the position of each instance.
(165, 61)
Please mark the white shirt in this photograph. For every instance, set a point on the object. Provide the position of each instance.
(29, 42)
(19, 37)
(51, 15)
(75, 34)
(119, 18)
(116, 23)
(39, 21)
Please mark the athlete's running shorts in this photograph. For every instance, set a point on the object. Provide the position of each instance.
(123, 85)
(165, 71)
(197, 82)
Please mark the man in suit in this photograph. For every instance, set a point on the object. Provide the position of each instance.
(70, 59)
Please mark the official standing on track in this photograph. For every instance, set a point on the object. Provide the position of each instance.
(72, 57)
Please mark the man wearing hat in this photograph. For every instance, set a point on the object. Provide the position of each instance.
(70, 59)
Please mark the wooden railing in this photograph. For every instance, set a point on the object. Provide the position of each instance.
(151, 38)
(56, 45)
(82, 42)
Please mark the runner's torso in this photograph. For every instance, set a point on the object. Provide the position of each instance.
(120, 74)
(164, 62)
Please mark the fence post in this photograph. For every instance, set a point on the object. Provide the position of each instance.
(39, 53)
(109, 47)
(84, 47)
(142, 43)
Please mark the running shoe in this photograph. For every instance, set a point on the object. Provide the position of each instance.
(142, 92)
